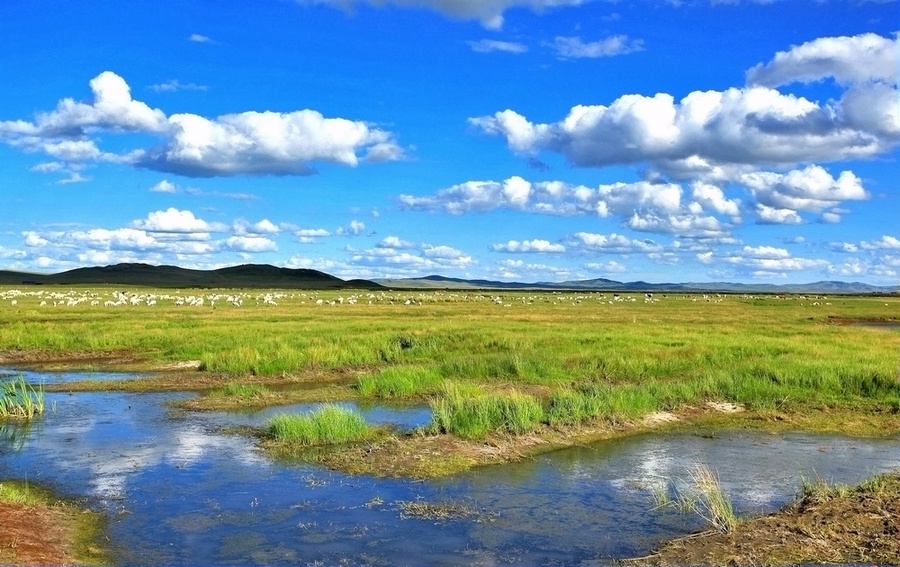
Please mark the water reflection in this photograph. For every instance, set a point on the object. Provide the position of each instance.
(179, 491)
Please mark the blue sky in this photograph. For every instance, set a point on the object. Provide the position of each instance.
(530, 140)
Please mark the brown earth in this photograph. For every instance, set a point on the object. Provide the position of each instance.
(47, 534)
(858, 525)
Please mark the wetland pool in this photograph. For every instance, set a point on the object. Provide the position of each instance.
(178, 491)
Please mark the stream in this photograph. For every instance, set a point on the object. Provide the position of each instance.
(179, 491)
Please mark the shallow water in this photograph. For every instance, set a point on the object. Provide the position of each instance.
(178, 491)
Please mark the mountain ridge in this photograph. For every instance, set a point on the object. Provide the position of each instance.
(269, 276)
(239, 276)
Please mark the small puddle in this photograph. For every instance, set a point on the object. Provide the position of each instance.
(884, 325)
(178, 491)
(63, 377)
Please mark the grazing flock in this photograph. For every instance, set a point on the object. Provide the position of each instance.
(47, 298)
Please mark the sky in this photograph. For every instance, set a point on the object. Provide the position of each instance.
(515, 140)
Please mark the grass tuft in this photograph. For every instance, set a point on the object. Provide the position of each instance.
(19, 399)
(469, 413)
(702, 495)
(330, 424)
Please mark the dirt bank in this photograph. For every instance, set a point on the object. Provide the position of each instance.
(50, 533)
(825, 525)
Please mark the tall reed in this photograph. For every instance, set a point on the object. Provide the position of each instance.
(19, 399)
(706, 498)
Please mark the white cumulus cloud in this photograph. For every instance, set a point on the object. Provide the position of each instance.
(754, 125)
(248, 143)
(532, 246)
(174, 220)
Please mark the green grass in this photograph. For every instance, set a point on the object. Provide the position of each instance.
(331, 424)
(578, 356)
(239, 390)
(399, 382)
(465, 411)
(19, 492)
(19, 399)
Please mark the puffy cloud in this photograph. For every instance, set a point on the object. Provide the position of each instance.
(251, 143)
(643, 205)
(491, 45)
(848, 269)
(613, 243)
(755, 125)
(769, 252)
(265, 226)
(113, 109)
(422, 257)
(265, 143)
(395, 242)
(527, 246)
(488, 12)
(446, 254)
(711, 197)
(772, 215)
(810, 189)
(164, 186)
(355, 228)
(174, 220)
(861, 58)
(250, 244)
(687, 225)
(576, 48)
(886, 242)
(548, 197)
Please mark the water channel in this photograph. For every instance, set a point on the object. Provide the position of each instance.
(179, 491)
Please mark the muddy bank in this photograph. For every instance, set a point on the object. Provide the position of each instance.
(858, 524)
(48, 531)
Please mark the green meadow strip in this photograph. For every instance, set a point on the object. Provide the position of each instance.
(399, 382)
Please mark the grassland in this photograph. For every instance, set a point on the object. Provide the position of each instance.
(506, 374)
(494, 367)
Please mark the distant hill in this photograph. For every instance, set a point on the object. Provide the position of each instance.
(243, 276)
(268, 276)
(601, 284)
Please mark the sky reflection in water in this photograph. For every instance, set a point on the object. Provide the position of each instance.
(179, 491)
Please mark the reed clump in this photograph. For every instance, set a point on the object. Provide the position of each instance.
(702, 496)
(468, 412)
(19, 399)
(331, 424)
